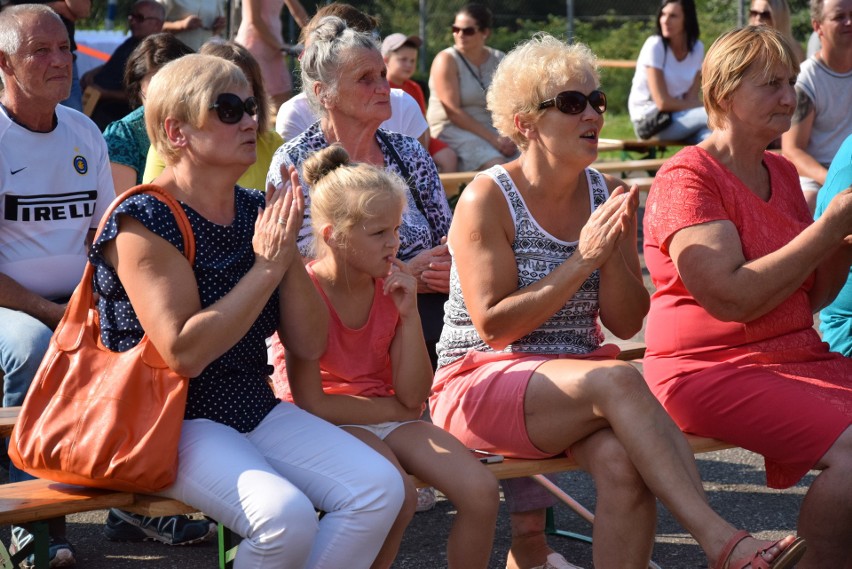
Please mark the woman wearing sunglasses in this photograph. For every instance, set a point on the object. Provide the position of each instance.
(268, 140)
(664, 101)
(775, 14)
(458, 81)
(257, 465)
(541, 248)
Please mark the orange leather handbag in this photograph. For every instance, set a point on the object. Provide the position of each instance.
(98, 418)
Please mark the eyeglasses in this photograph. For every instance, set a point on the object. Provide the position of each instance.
(230, 108)
(469, 31)
(765, 15)
(574, 102)
(139, 18)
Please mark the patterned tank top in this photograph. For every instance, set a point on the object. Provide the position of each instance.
(574, 329)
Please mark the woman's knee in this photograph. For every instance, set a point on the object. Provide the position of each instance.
(477, 492)
(290, 526)
(618, 379)
(383, 488)
(839, 454)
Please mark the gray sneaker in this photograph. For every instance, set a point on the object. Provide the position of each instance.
(171, 530)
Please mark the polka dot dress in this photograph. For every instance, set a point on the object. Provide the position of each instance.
(233, 390)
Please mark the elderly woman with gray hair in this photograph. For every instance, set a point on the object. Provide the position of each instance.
(343, 75)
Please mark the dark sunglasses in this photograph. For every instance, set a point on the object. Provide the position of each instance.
(465, 31)
(230, 108)
(767, 15)
(574, 102)
(139, 18)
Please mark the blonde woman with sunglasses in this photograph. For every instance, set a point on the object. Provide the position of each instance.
(541, 248)
(458, 81)
(210, 320)
(776, 14)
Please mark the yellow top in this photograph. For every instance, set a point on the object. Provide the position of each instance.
(255, 177)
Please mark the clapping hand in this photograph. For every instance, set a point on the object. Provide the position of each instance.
(277, 225)
(608, 225)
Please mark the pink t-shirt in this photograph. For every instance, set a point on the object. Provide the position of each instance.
(356, 361)
(693, 188)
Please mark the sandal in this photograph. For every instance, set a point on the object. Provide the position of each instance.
(785, 559)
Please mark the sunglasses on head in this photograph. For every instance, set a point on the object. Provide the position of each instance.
(230, 108)
(574, 102)
(139, 18)
(469, 31)
(765, 15)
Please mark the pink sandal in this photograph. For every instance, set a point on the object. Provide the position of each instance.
(786, 559)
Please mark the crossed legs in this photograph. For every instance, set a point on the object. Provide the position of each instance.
(605, 410)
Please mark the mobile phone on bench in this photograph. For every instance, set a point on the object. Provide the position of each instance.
(486, 457)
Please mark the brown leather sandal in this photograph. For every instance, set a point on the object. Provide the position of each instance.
(786, 559)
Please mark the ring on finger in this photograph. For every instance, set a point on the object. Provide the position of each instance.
(282, 221)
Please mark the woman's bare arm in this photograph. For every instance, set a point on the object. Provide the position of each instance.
(710, 260)
(445, 79)
(623, 298)
(664, 100)
(481, 237)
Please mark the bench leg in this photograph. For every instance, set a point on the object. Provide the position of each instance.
(228, 543)
(550, 522)
(5, 558)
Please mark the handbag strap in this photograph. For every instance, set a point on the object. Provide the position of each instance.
(403, 170)
(81, 305)
(469, 68)
(165, 197)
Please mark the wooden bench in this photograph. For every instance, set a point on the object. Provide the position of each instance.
(36, 501)
(454, 182)
(651, 148)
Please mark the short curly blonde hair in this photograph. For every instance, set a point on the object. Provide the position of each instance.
(529, 74)
(184, 89)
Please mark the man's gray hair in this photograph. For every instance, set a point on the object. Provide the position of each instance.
(161, 10)
(10, 24)
(816, 10)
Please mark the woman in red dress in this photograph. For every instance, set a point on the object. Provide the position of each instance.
(740, 268)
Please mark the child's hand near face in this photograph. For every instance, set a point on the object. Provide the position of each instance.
(402, 288)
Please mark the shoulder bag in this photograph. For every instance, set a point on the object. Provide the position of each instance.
(98, 418)
(653, 123)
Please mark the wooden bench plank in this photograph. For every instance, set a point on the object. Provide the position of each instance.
(157, 507)
(34, 500)
(520, 467)
(453, 181)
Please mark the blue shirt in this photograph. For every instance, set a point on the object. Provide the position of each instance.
(836, 318)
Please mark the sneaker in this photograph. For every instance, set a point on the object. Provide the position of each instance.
(171, 530)
(60, 551)
(425, 499)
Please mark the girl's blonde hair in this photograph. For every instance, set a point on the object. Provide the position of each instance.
(343, 192)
